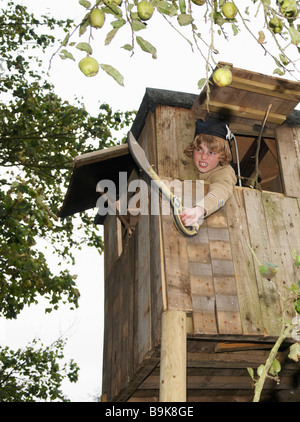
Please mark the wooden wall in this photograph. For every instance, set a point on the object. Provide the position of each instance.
(212, 276)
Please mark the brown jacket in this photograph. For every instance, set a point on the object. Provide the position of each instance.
(222, 180)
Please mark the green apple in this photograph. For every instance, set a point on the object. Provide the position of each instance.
(199, 2)
(89, 66)
(289, 8)
(276, 25)
(145, 10)
(222, 76)
(97, 18)
(229, 10)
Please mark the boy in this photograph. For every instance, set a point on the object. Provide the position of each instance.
(211, 153)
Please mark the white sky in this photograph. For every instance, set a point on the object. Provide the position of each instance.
(177, 69)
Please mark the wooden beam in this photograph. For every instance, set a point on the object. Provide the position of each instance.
(237, 347)
(246, 112)
(265, 89)
(100, 155)
(173, 357)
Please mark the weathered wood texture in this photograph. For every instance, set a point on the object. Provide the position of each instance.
(288, 140)
(213, 276)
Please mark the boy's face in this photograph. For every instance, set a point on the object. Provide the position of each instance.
(205, 159)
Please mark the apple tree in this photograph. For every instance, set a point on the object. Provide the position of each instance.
(273, 25)
(35, 373)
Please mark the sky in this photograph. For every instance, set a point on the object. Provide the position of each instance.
(177, 68)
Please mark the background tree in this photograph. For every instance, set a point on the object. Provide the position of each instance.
(35, 373)
(40, 134)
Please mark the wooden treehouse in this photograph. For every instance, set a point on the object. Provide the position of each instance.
(185, 316)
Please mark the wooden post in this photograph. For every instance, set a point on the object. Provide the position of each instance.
(173, 357)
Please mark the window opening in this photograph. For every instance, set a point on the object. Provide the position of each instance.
(270, 176)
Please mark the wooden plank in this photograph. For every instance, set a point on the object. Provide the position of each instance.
(260, 243)
(143, 301)
(202, 288)
(157, 279)
(279, 248)
(237, 347)
(176, 266)
(265, 89)
(291, 213)
(288, 141)
(245, 278)
(246, 112)
(101, 155)
(175, 128)
(227, 307)
(172, 383)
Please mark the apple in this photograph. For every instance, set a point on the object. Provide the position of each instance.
(97, 18)
(199, 2)
(145, 10)
(289, 8)
(89, 66)
(222, 76)
(229, 10)
(276, 25)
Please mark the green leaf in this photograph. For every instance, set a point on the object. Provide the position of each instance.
(296, 258)
(295, 352)
(137, 25)
(267, 270)
(164, 7)
(278, 71)
(275, 368)
(251, 372)
(84, 46)
(118, 23)
(201, 83)
(182, 6)
(110, 36)
(127, 47)
(184, 19)
(235, 29)
(64, 54)
(84, 24)
(146, 46)
(114, 73)
(85, 3)
(112, 9)
(260, 370)
(283, 59)
(65, 41)
(295, 35)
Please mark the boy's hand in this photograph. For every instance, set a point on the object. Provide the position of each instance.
(191, 216)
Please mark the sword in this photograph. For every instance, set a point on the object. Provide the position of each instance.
(142, 162)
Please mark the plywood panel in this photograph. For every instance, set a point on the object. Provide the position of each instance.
(176, 266)
(142, 295)
(284, 230)
(201, 279)
(260, 242)
(245, 275)
(175, 128)
(288, 140)
(227, 306)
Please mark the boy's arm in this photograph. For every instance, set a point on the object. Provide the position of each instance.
(220, 189)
